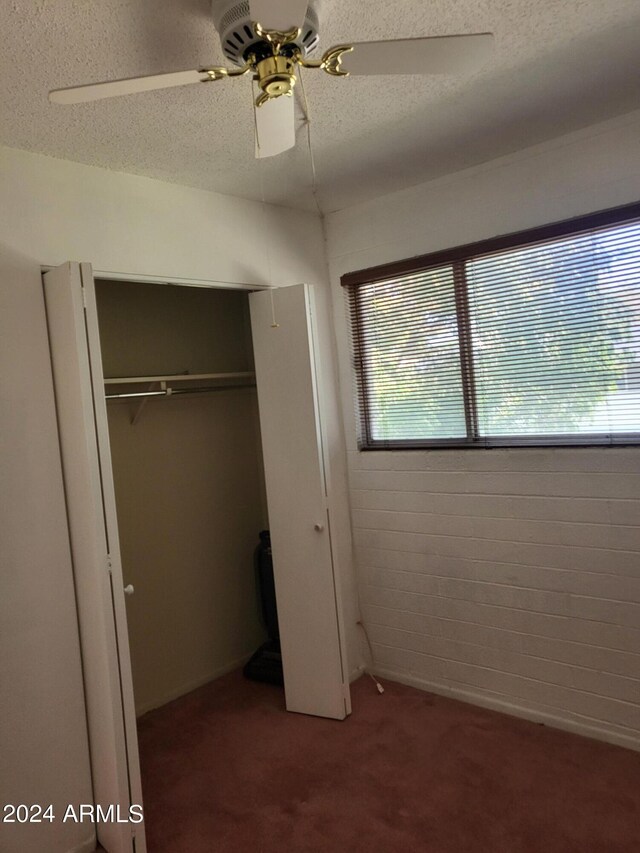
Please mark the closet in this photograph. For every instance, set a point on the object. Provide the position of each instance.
(182, 451)
(188, 477)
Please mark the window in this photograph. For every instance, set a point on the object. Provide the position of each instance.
(528, 339)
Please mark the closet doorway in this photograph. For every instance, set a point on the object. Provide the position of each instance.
(229, 504)
(189, 479)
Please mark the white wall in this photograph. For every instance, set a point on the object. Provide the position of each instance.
(52, 211)
(508, 578)
(189, 487)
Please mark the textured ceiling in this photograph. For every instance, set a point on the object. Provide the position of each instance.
(559, 65)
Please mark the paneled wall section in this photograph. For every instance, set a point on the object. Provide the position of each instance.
(514, 573)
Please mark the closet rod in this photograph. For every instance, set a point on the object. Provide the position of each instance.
(137, 394)
(175, 393)
(176, 377)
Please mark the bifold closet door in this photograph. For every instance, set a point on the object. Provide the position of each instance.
(297, 501)
(86, 462)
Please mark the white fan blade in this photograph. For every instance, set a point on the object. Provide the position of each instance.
(278, 14)
(275, 126)
(113, 88)
(436, 55)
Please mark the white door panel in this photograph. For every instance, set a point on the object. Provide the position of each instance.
(78, 381)
(297, 502)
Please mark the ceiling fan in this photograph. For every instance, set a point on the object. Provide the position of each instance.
(271, 39)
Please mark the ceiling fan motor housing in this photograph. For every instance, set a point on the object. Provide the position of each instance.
(232, 19)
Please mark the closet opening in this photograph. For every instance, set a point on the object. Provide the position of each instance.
(187, 464)
(190, 420)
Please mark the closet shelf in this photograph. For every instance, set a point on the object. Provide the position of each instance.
(175, 377)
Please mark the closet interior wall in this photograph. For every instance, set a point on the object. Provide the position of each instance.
(189, 484)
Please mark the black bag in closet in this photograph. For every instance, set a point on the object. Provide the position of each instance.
(266, 663)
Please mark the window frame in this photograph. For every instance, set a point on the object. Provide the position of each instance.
(456, 257)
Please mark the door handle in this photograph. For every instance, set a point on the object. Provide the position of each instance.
(318, 527)
(129, 590)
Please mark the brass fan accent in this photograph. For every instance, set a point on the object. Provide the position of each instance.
(276, 74)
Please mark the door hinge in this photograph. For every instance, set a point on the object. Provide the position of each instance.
(109, 563)
(84, 297)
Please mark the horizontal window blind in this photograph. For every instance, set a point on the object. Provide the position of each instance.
(534, 343)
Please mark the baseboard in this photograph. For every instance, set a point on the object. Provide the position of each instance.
(476, 698)
(191, 685)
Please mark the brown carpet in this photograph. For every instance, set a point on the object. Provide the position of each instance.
(227, 769)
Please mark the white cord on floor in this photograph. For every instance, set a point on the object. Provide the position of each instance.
(379, 686)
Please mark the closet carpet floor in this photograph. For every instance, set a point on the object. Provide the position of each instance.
(225, 768)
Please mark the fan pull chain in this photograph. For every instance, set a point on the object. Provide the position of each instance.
(255, 118)
(307, 121)
(274, 322)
